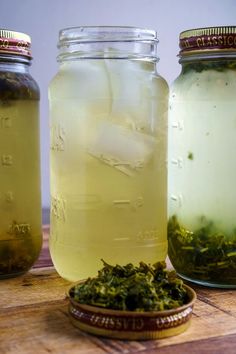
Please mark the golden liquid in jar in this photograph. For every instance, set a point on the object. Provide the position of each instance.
(20, 203)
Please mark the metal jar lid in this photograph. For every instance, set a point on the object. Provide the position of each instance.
(208, 40)
(16, 43)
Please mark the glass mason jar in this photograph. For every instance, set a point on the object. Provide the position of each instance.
(20, 200)
(202, 163)
(108, 151)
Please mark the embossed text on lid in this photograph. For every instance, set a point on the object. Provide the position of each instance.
(209, 39)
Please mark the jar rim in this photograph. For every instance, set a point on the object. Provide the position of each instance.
(83, 34)
(107, 42)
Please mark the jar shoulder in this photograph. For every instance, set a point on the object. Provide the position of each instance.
(206, 83)
(99, 77)
(161, 85)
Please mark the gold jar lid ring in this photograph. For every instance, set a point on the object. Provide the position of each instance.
(12, 42)
(209, 39)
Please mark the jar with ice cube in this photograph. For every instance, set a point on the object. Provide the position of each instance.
(202, 164)
(108, 108)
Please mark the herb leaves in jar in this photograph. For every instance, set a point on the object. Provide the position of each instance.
(203, 254)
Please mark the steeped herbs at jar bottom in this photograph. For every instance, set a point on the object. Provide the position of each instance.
(204, 255)
(18, 250)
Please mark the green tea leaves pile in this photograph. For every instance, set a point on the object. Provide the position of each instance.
(131, 288)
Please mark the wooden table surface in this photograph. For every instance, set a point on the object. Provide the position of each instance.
(34, 319)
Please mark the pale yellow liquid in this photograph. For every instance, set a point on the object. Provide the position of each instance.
(203, 122)
(108, 169)
(20, 203)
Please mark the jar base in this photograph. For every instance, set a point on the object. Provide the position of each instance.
(207, 283)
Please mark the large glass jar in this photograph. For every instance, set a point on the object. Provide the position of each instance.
(108, 151)
(202, 162)
(20, 201)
